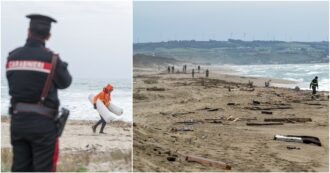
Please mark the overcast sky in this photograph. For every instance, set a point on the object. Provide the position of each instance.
(289, 21)
(95, 38)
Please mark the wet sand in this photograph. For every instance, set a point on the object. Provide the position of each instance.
(81, 150)
(165, 102)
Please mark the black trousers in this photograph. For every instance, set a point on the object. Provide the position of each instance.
(35, 143)
(314, 89)
(101, 121)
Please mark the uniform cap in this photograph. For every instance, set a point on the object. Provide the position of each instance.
(40, 23)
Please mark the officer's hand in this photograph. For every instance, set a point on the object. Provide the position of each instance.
(94, 106)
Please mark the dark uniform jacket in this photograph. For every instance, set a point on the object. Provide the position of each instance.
(27, 69)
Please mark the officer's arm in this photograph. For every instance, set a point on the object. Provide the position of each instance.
(62, 77)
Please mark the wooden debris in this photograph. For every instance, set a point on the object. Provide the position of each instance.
(212, 110)
(171, 158)
(232, 104)
(266, 112)
(256, 102)
(155, 89)
(181, 113)
(268, 108)
(175, 114)
(184, 129)
(189, 122)
(263, 124)
(314, 104)
(247, 89)
(208, 162)
(301, 120)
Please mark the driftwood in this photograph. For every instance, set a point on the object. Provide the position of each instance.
(247, 89)
(189, 122)
(266, 112)
(314, 104)
(268, 108)
(232, 104)
(210, 109)
(184, 129)
(291, 120)
(175, 114)
(263, 124)
(155, 89)
(208, 162)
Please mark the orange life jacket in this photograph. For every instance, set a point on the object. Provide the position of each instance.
(104, 97)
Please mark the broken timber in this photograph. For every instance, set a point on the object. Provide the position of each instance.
(268, 108)
(301, 120)
(208, 162)
(263, 124)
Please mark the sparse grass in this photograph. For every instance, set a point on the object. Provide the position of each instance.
(81, 169)
(5, 167)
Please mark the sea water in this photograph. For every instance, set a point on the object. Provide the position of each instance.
(302, 74)
(75, 98)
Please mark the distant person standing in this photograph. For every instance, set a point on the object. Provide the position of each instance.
(314, 84)
(185, 68)
(172, 69)
(199, 68)
(193, 73)
(207, 73)
(168, 69)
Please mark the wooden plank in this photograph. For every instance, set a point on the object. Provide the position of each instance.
(263, 124)
(208, 162)
(288, 120)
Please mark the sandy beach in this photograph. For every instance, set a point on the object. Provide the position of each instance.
(81, 150)
(176, 115)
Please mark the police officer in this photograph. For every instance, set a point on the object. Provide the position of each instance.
(33, 131)
(314, 84)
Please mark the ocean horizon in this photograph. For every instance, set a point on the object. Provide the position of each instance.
(302, 74)
(75, 98)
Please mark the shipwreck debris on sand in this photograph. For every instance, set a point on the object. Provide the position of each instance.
(208, 162)
(301, 139)
(288, 120)
(263, 124)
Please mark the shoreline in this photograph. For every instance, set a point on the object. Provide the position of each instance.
(172, 114)
(229, 73)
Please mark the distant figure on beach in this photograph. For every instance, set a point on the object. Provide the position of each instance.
(172, 69)
(185, 68)
(168, 69)
(207, 73)
(267, 83)
(314, 84)
(105, 97)
(34, 75)
(193, 73)
(199, 68)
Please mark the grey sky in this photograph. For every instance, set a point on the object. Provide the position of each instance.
(95, 38)
(289, 21)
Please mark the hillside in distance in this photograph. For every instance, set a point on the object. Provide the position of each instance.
(238, 51)
(141, 60)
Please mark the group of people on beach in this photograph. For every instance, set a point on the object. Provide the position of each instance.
(170, 69)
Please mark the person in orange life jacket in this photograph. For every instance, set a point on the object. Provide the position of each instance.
(105, 97)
